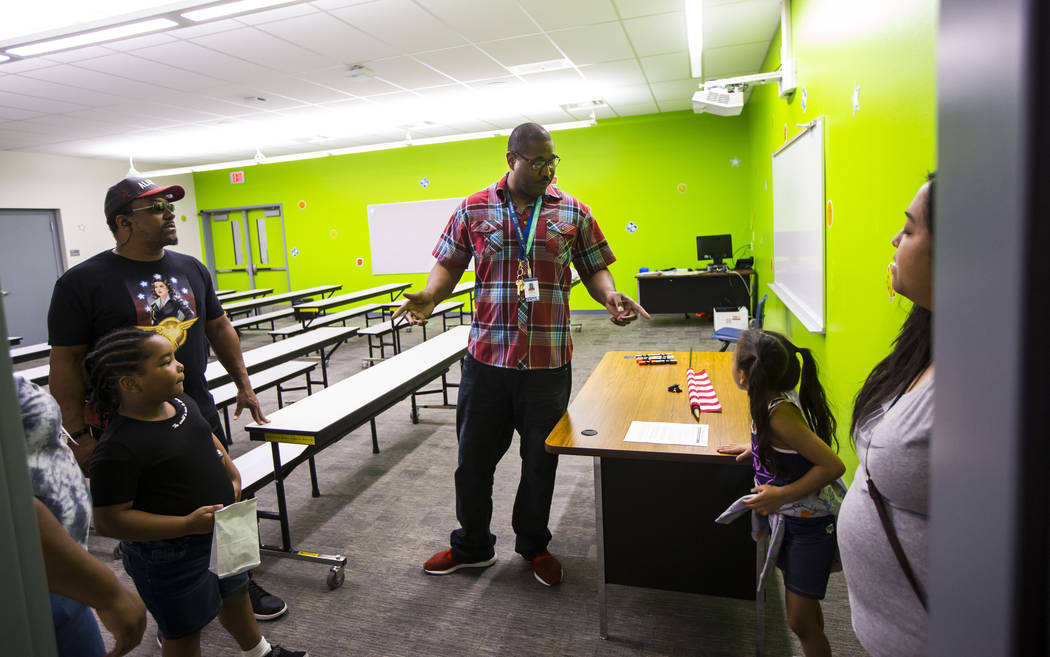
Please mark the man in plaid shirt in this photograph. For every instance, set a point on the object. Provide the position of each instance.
(522, 234)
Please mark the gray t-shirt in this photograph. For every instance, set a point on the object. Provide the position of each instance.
(894, 444)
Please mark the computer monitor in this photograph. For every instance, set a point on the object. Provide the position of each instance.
(714, 247)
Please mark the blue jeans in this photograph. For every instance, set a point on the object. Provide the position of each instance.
(493, 402)
(76, 631)
(173, 579)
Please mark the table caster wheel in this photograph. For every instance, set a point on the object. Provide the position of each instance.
(335, 577)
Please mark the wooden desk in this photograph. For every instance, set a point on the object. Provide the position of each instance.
(656, 505)
(696, 291)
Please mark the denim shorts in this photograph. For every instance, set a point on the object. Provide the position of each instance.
(76, 630)
(807, 554)
(173, 579)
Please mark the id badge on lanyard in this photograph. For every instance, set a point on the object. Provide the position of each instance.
(527, 284)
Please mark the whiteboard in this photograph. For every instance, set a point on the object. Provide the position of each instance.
(798, 226)
(403, 235)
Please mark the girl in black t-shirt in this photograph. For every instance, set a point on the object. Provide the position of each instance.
(158, 476)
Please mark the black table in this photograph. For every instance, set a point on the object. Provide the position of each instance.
(696, 291)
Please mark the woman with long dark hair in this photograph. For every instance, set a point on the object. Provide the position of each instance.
(883, 521)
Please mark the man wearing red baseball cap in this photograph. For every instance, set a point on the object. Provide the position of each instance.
(124, 286)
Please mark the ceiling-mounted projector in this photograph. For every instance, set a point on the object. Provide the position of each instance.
(725, 97)
(719, 100)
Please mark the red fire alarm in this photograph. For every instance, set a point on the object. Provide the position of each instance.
(236, 177)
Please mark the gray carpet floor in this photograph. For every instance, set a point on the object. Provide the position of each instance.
(389, 512)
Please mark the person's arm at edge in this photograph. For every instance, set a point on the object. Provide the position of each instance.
(622, 308)
(72, 572)
(227, 347)
(66, 384)
(128, 524)
(440, 283)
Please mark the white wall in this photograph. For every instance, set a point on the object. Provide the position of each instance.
(76, 187)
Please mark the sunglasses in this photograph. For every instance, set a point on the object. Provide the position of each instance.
(538, 163)
(156, 206)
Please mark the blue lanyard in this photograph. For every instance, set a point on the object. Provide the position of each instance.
(524, 245)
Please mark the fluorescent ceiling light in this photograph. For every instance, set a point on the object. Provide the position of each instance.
(541, 67)
(551, 127)
(694, 31)
(96, 36)
(4, 58)
(218, 11)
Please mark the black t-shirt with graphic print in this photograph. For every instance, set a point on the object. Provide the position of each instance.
(170, 467)
(173, 296)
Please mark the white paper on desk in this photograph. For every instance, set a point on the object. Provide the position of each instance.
(667, 433)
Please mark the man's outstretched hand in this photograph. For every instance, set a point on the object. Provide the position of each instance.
(417, 307)
(622, 309)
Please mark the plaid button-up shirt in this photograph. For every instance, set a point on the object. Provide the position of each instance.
(481, 228)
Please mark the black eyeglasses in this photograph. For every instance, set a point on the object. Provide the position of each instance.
(538, 162)
(156, 206)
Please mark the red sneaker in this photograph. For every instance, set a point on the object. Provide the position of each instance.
(547, 569)
(442, 563)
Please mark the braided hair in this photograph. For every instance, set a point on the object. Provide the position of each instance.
(770, 362)
(116, 354)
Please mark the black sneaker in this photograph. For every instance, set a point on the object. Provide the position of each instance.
(278, 651)
(265, 605)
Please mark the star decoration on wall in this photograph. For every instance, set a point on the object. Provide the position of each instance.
(424, 183)
(735, 162)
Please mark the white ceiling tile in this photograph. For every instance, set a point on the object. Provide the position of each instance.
(18, 101)
(408, 73)
(22, 65)
(497, 83)
(12, 138)
(337, 78)
(82, 77)
(192, 57)
(472, 125)
(79, 54)
(674, 90)
(628, 95)
(594, 43)
(636, 8)
(336, 4)
(68, 127)
(521, 50)
(549, 116)
(144, 41)
(279, 14)
(564, 79)
(676, 104)
(557, 14)
(465, 64)
(414, 30)
(656, 35)
(633, 109)
(159, 113)
(15, 114)
(28, 86)
(258, 47)
(661, 68)
(331, 37)
(136, 68)
(482, 21)
(614, 74)
(599, 113)
(124, 116)
(744, 59)
(741, 22)
(204, 29)
(288, 87)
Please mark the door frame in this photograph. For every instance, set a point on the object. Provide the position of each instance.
(209, 246)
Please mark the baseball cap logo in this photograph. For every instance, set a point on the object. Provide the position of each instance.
(145, 183)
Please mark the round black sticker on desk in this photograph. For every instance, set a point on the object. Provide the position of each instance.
(590, 432)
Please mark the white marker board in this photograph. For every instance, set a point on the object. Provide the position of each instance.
(403, 235)
(798, 226)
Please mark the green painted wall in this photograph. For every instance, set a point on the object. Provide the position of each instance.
(875, 161)
(627, 170)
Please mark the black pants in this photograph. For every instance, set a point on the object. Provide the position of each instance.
(493, 402)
